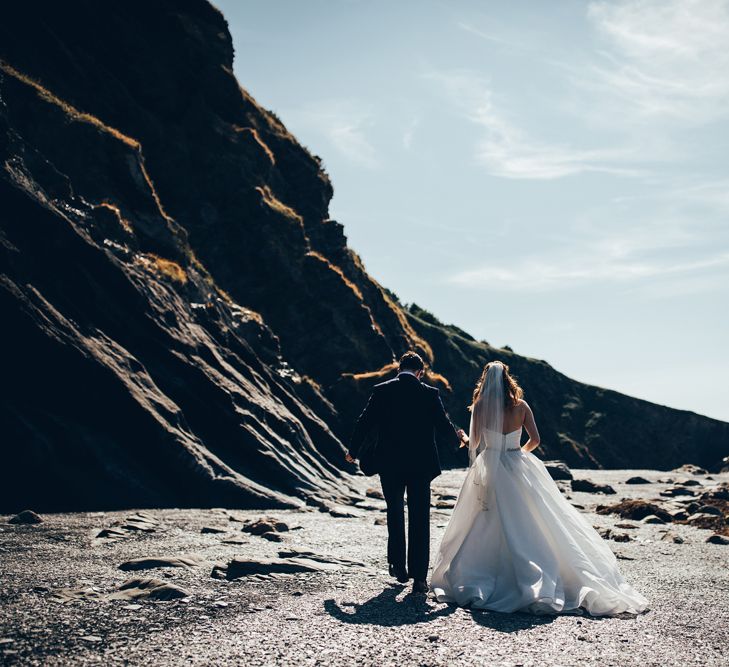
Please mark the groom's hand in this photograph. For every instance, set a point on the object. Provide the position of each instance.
(462, 435)
(348, 458)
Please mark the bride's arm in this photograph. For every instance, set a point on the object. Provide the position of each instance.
(531, 428)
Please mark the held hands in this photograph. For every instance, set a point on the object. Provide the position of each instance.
(348, 458)
(464, 438)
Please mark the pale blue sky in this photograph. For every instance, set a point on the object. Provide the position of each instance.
(548, 175)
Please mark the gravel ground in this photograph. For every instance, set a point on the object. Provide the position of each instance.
(353, 615)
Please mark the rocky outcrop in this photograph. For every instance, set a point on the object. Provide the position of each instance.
(183, 322)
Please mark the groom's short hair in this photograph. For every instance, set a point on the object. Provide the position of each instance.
(411, 361)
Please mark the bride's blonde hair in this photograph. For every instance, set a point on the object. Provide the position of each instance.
(513, 392)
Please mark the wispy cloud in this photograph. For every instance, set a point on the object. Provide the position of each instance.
(488, 36)
(507, 150)
(661, 58)
(409, 133)
(537, 274)
(343, 124)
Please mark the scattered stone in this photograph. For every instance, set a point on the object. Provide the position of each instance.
(621, 537)
(244, 567)
(637, 480)
(320, 558)
(717, 539)
(677, 491)
(151, 589)
(587, 486)
(719, 493)
(26, 517)
(381, 521)
(444, 504)
(140, 522)
(91, 638)
(272, 537)
(162, 561)
(691, 469)
(710, 509)
(290, 562)
(709, 522)
(212, 529)
(342, 513)
(608, 534)
(666, 480)
(265, 525)
(374, 493)
(626, 526)
(634, 509)
(689, 482)
(672, 537)
(364, 505)
(652, 518)
(112, 534)
(65, 595)
(679, 514)
(136, 523)
(558, 470)
(132, 607)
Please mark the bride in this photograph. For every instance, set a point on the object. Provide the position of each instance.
(513, 542)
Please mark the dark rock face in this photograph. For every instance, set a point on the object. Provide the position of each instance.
(183, 323)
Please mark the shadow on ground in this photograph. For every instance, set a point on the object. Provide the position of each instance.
(386, 610)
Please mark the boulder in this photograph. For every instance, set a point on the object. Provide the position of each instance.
(691, 469)
(265, 525)
(677, 491)
(672, 537)
(637, 480)
(272, 537)
(585, 485)
(636, 510)
(292, 562)
(710, 509)
(151, 589)
(26, 517)
(558, 470)
(162, 561)
(717, 539)
(374, 493)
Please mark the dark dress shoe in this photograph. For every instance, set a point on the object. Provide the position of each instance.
(420, 586)
(400, 573)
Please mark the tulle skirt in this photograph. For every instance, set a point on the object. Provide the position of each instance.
(530, 550)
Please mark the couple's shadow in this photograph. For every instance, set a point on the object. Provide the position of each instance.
(386, 610)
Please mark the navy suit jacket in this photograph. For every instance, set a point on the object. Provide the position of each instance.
(406, 416)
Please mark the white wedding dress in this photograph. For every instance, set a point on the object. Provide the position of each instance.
(514, 543)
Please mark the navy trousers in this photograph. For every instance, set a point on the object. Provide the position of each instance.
(418, 543)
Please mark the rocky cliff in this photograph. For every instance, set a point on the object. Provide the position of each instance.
(183, 324)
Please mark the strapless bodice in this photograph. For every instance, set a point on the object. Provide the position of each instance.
(507, 441)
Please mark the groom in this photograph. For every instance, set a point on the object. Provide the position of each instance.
(405, 415)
